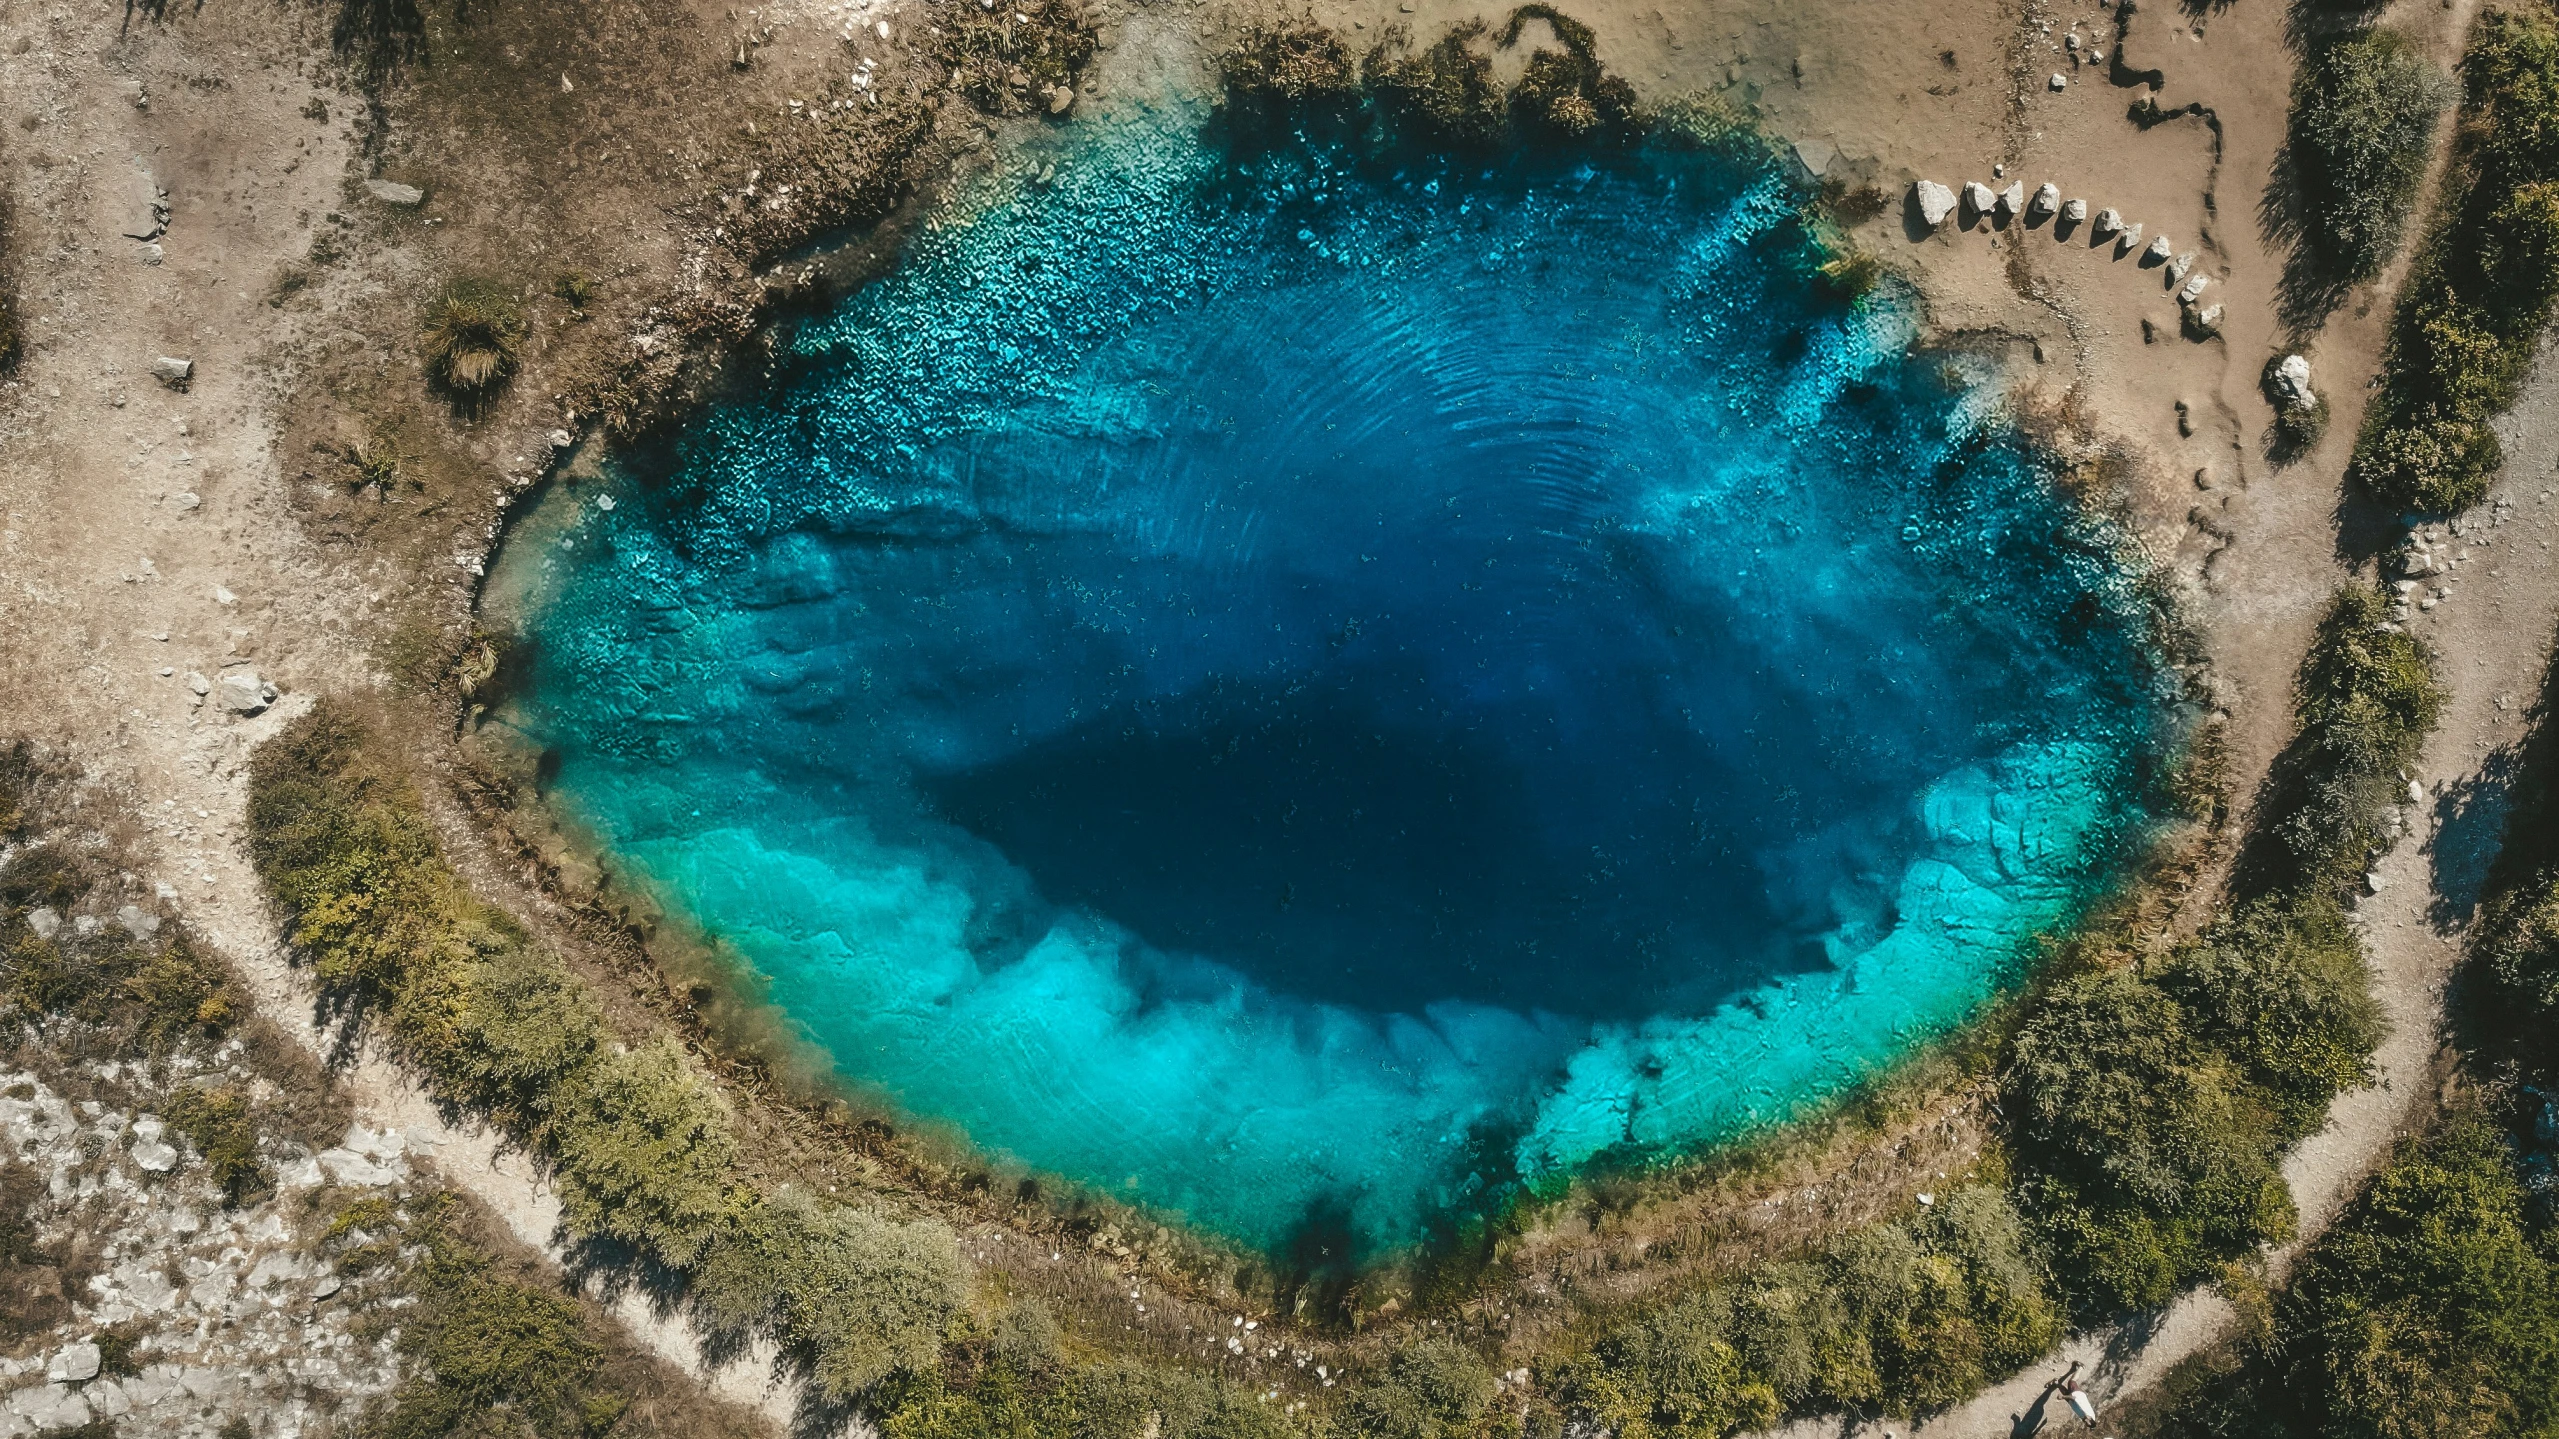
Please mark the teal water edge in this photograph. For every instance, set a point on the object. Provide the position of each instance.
(1311, 692)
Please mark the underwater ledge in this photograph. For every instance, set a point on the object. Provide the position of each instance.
(1536, 1161)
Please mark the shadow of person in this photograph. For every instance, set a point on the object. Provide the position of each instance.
(2032, 1421)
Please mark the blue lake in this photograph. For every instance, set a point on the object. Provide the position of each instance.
(1302, 692)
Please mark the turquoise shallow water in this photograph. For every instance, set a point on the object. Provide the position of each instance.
(1309, 694)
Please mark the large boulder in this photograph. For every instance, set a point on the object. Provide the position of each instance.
(2108, 222)
(392, 192)
(2047, 201)
(1978, 198)
(2012, 201)
(2074, 212)
(1936, 202)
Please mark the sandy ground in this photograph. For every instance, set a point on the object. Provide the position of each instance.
(148, 533)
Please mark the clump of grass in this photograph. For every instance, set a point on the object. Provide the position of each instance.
(1567, 93)
(575, 289)
(471, 337)
(1851, 274)
(1274, 73)
(378, 462)
(217, 1122)
(1445, 93)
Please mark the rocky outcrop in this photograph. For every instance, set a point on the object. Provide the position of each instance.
(221, 1312)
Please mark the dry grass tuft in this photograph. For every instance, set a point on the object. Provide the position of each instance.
(471, 338)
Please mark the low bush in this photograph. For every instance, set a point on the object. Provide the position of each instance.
(2368, 698)
(218, 1123)
(488, 1355)
(2472, 313)
(1297, 77)
(643, 1152)
(2363, 121)
(1444, 95)
(1436, 1389)
(1896, 1318)
(2431, 1308)
(856, 1296)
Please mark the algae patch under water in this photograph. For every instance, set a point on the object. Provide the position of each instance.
(1307, 692)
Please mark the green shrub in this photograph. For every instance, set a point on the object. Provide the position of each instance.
(859, 1297)
(490, 1355)
(1435, 1389)
(2281, 987)
(2149, 1158)
(217, 1122)
(1894, 1317)
(521, 1029)
(2471, 315)
(1673, 1374)
(2368, 698)
(643, 1154)
(2363, 120)
(2429, 1309)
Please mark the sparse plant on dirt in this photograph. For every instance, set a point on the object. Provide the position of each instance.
(471, 339)
(575, 289)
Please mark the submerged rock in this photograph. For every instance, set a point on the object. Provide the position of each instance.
(1936, 202)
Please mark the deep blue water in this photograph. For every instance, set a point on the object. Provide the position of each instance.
(1278, 687)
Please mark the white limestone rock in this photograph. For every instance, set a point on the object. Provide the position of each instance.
(2292, 383)
(2047, 201)
(1936, 202)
